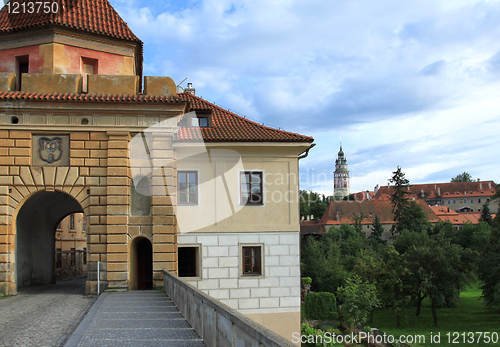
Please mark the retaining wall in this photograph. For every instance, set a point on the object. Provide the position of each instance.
(216, 323)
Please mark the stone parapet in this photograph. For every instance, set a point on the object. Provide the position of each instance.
(216, 323)
(164, 86)
(113, 84)
(7, 81)
(51, 83)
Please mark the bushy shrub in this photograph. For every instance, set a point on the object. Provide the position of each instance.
(306, 280)
(321, 306)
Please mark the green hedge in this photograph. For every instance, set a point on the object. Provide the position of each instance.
(321, 306)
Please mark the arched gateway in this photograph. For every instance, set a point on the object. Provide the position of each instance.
(35, 225)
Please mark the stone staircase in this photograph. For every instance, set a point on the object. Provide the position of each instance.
(136, 318)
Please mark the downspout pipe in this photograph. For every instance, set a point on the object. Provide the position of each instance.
(307, 152)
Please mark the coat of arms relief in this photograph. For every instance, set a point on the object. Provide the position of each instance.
(50, 149)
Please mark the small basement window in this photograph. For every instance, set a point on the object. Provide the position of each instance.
(188, 260)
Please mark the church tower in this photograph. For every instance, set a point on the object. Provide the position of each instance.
(341, 176)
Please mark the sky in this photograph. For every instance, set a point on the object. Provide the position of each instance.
(414, 84)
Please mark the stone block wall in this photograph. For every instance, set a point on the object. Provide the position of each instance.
(277, 290)
(98, 177)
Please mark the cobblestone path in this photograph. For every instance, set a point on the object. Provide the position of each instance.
(43, 315)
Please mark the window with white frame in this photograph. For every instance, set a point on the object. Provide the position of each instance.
(187, 187)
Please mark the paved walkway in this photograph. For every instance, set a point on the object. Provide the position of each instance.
(136, 318)
(43, 315)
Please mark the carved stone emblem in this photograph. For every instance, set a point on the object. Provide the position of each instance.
(50, 149)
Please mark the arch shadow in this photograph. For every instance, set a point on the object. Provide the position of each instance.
(35, 226)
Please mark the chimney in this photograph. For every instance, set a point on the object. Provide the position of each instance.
(439, 191)
(489, 185)
(190, 89)
(481, 185)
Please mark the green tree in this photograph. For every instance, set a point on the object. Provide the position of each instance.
(485, 213)
(414, 218)
(474, 236)
(392, 290)
(489, 271)
(313, 204)
(358, 299)
(322, 261)
(375, 239)
(398, 199)
(463, 177)
(439, 271)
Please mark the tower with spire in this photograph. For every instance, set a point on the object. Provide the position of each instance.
(341, 184)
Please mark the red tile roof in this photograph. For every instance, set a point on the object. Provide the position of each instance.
(95, 16)
(342, 212)
(228, 126)
(442, 190)
(32, 96)
(457, 218)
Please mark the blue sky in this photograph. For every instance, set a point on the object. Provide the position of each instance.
(408, 83)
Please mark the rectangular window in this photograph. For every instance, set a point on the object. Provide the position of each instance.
(188, 261)
(202, 120)
(478, 201)
(251, 190)
(187, 185)
(252, 260)
(88, 66)
(72, 221)
(84, 256)
(22, 67)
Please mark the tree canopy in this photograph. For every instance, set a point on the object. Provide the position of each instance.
(463, 177)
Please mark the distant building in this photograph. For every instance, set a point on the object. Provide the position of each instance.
(71, 245)
(458, 196)
(341, 185)
(457, 218)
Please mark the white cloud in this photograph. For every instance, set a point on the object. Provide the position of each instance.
(403, 83)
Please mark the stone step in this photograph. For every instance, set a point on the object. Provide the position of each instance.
(134, 318)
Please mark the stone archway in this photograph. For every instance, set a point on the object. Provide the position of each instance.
(35, 225)
(141, 264)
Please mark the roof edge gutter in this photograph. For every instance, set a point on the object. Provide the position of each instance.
(307, 152)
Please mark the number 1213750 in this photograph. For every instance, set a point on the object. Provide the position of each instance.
(46, 7)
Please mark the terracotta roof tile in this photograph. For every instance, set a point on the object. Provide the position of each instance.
(342, 212)
(95, 16)
(32, 96)
(437, 190)
(228, 126)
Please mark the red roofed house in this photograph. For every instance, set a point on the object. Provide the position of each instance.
(166, 180)
(457, 218)
(458, 196)
(345, 211)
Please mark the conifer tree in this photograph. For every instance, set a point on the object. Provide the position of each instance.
(399, 200)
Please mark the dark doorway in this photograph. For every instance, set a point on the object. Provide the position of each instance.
(36, 223)
(144, 264)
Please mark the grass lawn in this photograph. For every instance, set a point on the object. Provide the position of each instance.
(469, 315)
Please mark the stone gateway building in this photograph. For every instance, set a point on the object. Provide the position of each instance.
(165, 180)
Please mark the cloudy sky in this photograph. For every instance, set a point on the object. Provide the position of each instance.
(408, 83)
